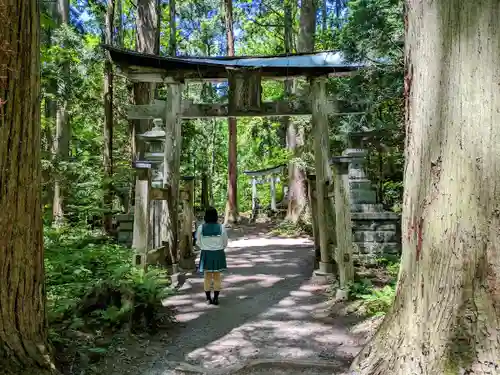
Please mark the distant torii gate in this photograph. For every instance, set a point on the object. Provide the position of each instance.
(244, 75)
(261, 173)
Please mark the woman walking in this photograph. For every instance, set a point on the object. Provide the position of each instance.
(211, 238)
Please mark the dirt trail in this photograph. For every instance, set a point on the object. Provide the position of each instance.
(269, 309)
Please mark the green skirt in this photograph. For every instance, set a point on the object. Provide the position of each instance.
(212, 261)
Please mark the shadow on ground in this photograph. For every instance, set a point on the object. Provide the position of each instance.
(269, 309)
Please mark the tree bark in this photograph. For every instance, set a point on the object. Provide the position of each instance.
(297, 194)
(119, 26)
(23, 329)
(232, 214)
(307, 26)
(446, 315)
(108, 123)
(172, 45)
(63, 129)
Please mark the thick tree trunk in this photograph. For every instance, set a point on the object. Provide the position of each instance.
(232, 214)
(446, 316)
(108, 124)
(63, 129)
(23, 329)
(297, 194)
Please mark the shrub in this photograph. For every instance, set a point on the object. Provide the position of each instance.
(91, 283)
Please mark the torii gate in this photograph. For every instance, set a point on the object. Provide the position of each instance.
(244, 75)
(272, 171)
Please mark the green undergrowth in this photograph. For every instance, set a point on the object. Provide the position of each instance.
(375, 288)
(288, 228)
(94, 292)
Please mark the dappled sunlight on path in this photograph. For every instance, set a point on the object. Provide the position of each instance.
(268, 308)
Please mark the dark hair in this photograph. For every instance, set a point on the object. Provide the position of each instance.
(211, 215)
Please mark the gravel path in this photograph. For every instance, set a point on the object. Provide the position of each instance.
(269, 309)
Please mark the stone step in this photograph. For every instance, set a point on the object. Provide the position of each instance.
(375, 236)
(367, 207)
(378, 249)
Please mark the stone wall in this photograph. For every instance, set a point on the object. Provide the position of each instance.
(376, 235)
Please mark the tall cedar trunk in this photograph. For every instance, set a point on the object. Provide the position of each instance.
(232, 214)
(108, 123)
(63, 130)
(446, 316)
(297, 194)
(288, 86)
(23, 329)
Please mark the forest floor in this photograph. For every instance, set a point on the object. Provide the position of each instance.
(270, 310)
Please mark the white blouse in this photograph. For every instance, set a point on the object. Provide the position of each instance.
(211, 243)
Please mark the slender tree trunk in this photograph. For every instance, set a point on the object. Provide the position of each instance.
(288, 86)
(23, 329)
(213, 160)
(172, 45)
(108, 123)
(324, 21)
(232, 214)
(63, 129)
(119, 26)
(446, 316)
(297, 194)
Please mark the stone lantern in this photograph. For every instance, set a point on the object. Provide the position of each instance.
(156, 139)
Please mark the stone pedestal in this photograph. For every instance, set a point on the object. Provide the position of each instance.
(324, 275)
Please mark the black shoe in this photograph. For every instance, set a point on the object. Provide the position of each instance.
(209, 298)
(216, 298)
